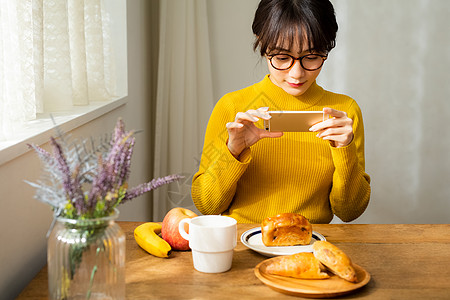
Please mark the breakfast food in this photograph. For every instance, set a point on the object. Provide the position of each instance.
(335, 260)
(301, 265)
(286, 229)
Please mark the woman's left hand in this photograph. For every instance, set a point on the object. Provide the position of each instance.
(338, 129)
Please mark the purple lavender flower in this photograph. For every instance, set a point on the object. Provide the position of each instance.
(146, 187)
(43, 154)
(120, 159)
(78, 198)
(71, 186)
(63, 167)
(100, 185)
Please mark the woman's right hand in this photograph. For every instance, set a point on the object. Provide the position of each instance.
(242, 133)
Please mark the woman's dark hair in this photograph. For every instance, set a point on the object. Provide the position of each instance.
(279, 21)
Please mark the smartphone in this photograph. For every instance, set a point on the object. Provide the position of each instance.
(293, 121)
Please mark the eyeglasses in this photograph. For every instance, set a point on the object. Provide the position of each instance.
(309, 62)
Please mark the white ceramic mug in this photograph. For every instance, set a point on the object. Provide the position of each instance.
(212, 239)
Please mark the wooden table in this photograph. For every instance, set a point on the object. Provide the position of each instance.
(405, 262)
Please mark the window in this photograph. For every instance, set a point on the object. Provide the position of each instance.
(64, 58)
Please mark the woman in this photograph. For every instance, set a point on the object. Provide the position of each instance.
(249, 173)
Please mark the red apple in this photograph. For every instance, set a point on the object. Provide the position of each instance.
(169, 228)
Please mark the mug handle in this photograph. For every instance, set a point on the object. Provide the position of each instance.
(183, 232)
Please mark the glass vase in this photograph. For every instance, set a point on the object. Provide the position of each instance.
(86, 259)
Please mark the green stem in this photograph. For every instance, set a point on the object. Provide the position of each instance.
(94, 270)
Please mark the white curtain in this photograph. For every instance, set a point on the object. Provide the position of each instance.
(53, 54)
(184, 99)
(393, 57)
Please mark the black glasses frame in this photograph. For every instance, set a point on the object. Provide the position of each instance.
(300, 59)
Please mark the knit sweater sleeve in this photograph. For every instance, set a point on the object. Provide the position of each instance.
(214, 185)
(350, 191)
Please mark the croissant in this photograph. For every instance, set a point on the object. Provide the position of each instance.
(335, 260)
(300, 265)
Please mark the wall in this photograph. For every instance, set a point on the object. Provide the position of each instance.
(234, 64)
(393, 58)
(24, 220)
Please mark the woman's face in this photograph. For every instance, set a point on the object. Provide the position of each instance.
(296, 80)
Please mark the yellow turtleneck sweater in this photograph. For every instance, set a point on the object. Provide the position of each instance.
(297, 172)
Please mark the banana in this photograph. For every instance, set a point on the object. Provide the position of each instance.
(146, 235)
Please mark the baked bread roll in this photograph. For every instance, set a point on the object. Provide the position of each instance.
(301, 265)
(287, 229)
(335, 260)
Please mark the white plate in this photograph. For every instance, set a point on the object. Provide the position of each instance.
(253, 239)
